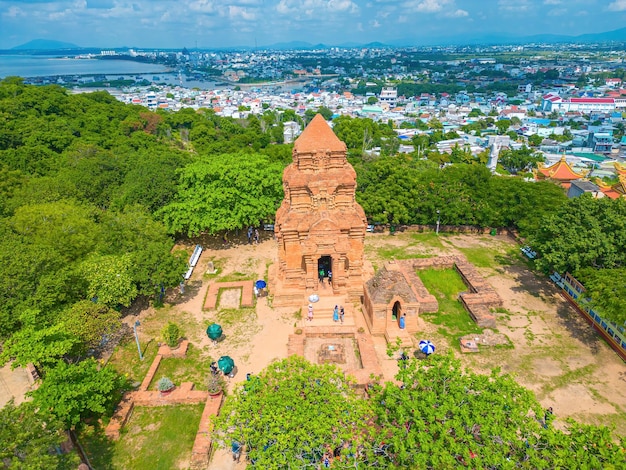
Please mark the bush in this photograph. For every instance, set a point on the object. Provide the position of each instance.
(165, 384)
(171, 334)
(215, 384)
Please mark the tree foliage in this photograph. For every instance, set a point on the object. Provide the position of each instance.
(225, 193)
(72, 392)
(434, 415)
(516, 161)
(29, 439)
(294, 413)
(606, 290)
(582, 233)
(439, 416)
(401, 190)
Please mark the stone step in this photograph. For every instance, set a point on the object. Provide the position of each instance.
(326, 321)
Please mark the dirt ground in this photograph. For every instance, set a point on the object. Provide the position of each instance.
(555, 353)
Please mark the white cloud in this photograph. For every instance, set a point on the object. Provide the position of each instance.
(446, 8)
(617, 5)
(552, 2)
(514, 5)
(202, 6)
(238, 12)
(427, 6)
(315, 7)
(457, 14)
(342, 5)
(375, 24)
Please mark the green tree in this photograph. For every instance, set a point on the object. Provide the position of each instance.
(293, 413)
(90, 324)
(503, 125)
(523, 159)
(30, 438)
(225, 193)
(439, 416)
(73, 392)
(582, 233)
(40, 345)
(606, 290)
(109, 279)
(535, 140)
(326, 112)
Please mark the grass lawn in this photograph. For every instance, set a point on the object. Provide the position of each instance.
(420, 245)
(445, 285)
(191, 368)
(125, 359)
(155, 438)
(488, 257)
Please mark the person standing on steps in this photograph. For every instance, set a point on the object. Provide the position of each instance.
(341, 313)
(310, 313)
(330, 278)
(336, 314)
(321, 275)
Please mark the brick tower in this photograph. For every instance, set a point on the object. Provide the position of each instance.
(319, 224)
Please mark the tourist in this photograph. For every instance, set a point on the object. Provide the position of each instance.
(330, 277)
(236, 448)
(256, 236)
(336, 313)
(341, 313)
(310, 314)
(547, 417)
(249, 235)
(322, 275)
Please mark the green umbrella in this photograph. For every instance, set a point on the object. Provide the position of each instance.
(226, 364)
(214, 331)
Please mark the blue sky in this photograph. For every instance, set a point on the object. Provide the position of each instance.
(220, 23)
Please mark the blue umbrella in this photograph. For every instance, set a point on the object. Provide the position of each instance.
(260, 284)
(427, 347)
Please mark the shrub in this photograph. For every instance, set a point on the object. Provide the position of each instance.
(171, 334)
(215, 384)
(165, 384)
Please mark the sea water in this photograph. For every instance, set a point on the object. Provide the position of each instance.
(46, 66)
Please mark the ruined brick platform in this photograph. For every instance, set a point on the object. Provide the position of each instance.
(366, 353)
(247, 293)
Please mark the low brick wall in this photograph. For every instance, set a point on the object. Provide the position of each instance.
(481, 296)
(202, 445)
(247, 293)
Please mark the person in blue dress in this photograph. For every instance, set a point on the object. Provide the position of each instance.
(336, 313)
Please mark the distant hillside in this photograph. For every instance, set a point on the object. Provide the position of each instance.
(618, 35)
(45, 44)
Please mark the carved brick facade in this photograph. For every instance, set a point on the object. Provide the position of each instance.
(319, 223)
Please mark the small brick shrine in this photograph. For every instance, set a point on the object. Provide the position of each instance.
(319, 224)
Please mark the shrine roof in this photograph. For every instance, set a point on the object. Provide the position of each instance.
(318, 136)
(561, 170)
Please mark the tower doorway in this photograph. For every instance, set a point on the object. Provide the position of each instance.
(396, 311)
(324, 266)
